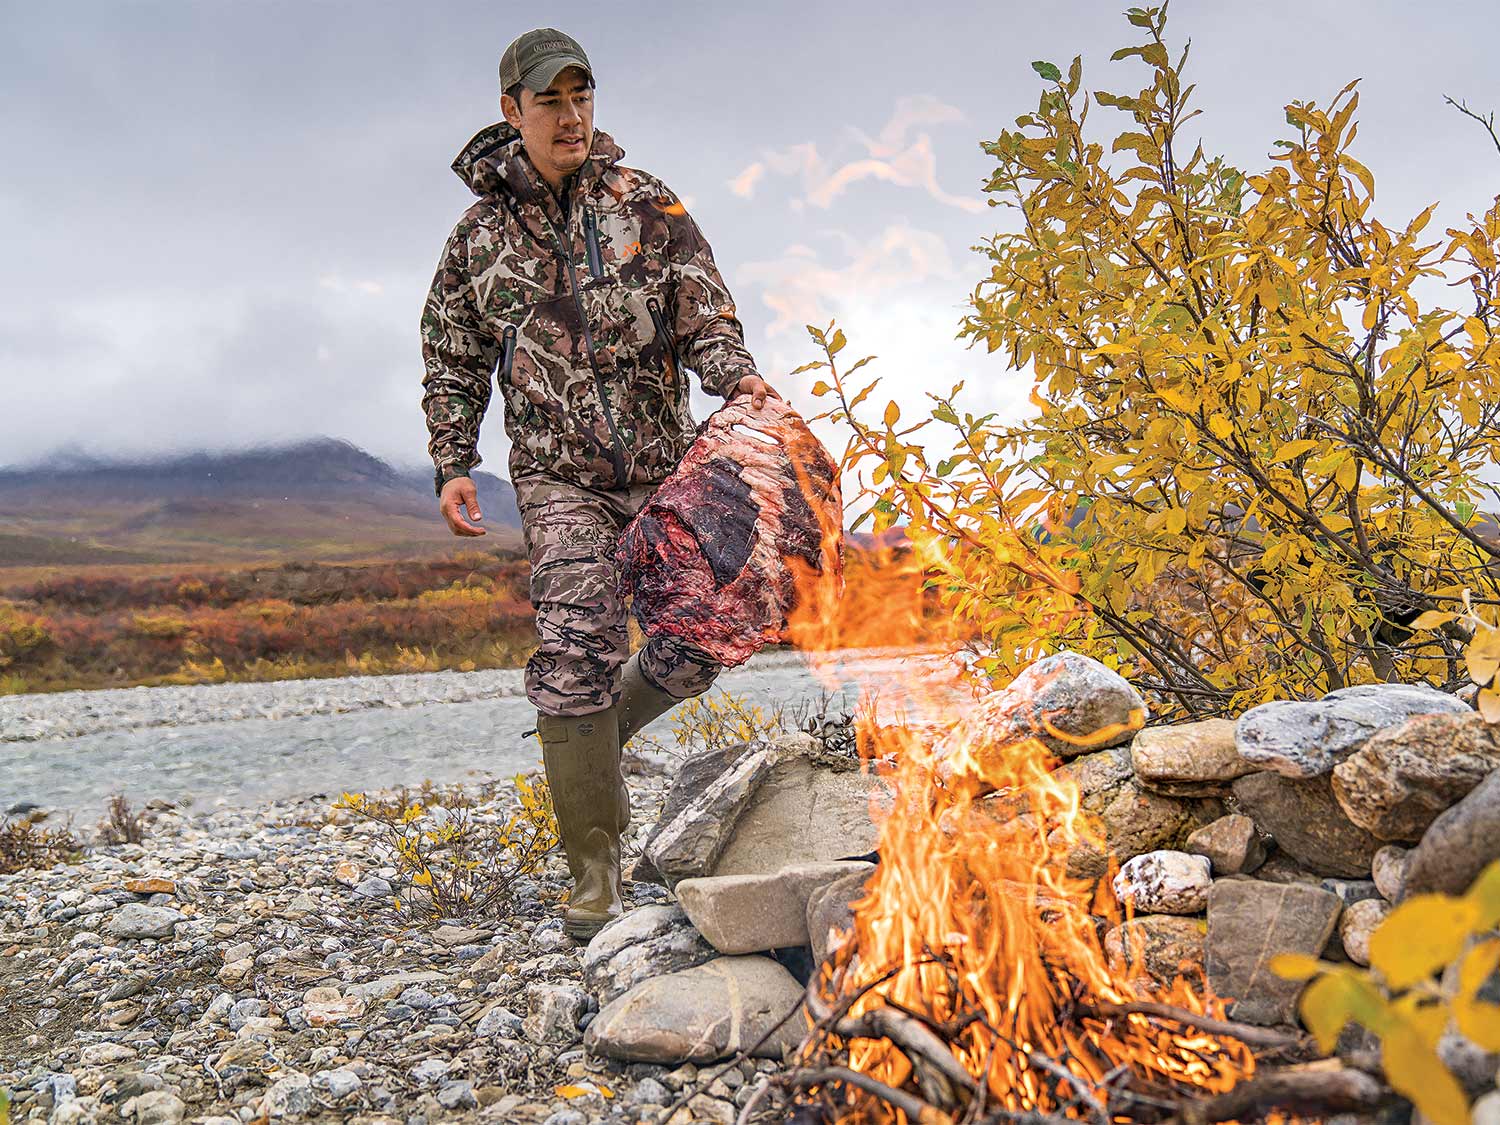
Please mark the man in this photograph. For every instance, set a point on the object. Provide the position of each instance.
(588, 291)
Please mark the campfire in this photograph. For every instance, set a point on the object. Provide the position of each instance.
(975, 985)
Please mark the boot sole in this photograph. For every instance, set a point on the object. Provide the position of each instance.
(585, 928)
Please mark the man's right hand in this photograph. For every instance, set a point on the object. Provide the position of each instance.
(459, 496)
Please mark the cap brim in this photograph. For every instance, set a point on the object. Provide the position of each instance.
(541, 76)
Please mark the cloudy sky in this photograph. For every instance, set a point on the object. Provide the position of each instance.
(218, 220)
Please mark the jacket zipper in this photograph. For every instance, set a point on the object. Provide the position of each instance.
(507, 352)
(591, 231)
(670, 345)
(617, 457)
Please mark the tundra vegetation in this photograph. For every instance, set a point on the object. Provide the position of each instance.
(1265, 419)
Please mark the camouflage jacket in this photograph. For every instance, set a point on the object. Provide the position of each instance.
(588, 313)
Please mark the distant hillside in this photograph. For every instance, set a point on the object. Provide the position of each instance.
(323, 499)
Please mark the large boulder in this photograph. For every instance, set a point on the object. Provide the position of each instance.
(1458, 845)
(830, 910)
(1308, 824)
(701, 1014)
(1249, 922)
(650, 941)
(1188, 759)
(755, 913)
(1307, 739)
(1403, 777)
(1071, 704)
(761, 806)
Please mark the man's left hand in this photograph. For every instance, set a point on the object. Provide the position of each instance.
(757, 388)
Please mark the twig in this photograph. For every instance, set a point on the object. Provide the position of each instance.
(911, 1105)
(1318, 1092)
(1487, 122)
(1245, 1033)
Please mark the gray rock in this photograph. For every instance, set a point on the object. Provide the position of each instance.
(391, 986)
(1231, 843)
(1308, 823)
(1164, 882)
(567, 1117)
(1157, 947)
(1404, 777)
(1486, 1110)
(701, 1014)
(431, 1071)
(338, 1084)
(245, 1010)
(290, 1096)
(553, 1013)
(1188, 759)
(373, 886)
(1307, 739)
(754, 913)
(499, 1023)
(1388, 869)
(1357, 923)
(1351, 891)
(648, 1091)
(137, 920)
(1459, 844)
(457, 1095)
(650, 941)
(828, 910)
(1249, 922)
(1132, 819)
(1071, 703)
(159, 1107)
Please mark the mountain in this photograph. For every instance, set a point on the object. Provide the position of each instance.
(323, 498)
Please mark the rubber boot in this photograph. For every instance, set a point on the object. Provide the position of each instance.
(640, 700)
(582, 758)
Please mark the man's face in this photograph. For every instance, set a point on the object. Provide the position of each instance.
(556, 125)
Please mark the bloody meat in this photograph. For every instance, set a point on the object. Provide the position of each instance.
(717, 554)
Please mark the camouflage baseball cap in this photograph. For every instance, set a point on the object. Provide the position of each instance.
(537, 57)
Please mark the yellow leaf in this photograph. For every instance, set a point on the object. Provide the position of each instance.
(1220, 426)
(1477, 1019)
(1177, 400)
(574, 1092)
(1483, 656)
(892, 414)
(1296, 966)
(1176, 521)
(1484, 896)
(1414, 1070)
(1433, 619)
(1293, 449)
(1419, 937)
(1478, 334)
(1334, 999)
(1489, 706)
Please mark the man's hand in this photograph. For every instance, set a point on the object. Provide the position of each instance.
(757, 388)
(458, 496)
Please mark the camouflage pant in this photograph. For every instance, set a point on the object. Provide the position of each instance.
(580, 616)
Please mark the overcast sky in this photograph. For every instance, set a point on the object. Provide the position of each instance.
(218, 220)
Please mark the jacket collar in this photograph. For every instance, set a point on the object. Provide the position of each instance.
(494, 161)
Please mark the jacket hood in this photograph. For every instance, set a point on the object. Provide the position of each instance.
(495, 161)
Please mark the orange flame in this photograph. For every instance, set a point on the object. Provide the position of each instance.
(971, 923)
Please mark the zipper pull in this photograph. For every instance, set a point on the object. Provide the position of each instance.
(591, 233)
(507, 351)
(653, 306)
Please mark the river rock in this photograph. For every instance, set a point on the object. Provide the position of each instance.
(1307, 739)
(1388, 870)
(1160, 947)
(1357, 923)
(1308, 823)
(1459, 844)
(554, 1011)
(1403, 777)
(137, 920)
(1231, 843)
(159, 1107)
(754, 913)
(290, 1096)
(649, 941)
(1164, 882)
(1071, 704)
(829, 910)
(1188, 759)
(1131, 819)
(1249, 922)
(759, 807)
(701, 1014)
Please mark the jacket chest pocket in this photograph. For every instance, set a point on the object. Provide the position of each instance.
(620, 295)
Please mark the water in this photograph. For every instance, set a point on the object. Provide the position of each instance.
(244, 760)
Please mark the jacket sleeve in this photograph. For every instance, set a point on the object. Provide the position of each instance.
(459, 357)
(710, 338)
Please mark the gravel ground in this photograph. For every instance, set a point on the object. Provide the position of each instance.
(246, 964)
(243, 743)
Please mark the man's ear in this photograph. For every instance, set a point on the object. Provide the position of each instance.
(510, 110)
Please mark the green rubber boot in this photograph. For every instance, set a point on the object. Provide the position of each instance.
(640, 700)
(582, 758)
